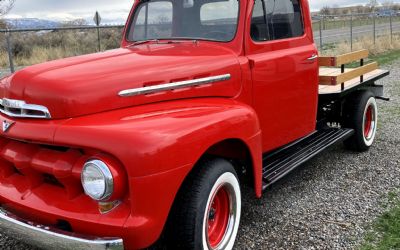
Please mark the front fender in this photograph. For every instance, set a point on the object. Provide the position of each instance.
(159, 144)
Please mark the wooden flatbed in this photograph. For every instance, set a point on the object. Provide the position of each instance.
(335, 79)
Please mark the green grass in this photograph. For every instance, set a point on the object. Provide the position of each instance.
(387, 57)
(382, 59)
(385, 232)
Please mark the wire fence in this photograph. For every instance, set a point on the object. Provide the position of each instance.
(43, 44)
(330, 30)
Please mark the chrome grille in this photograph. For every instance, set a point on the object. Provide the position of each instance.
(20, 109)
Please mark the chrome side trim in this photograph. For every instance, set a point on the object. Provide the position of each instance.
(47, 238)
(173, 85)
(20, 109)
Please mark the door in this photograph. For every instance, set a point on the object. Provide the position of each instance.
(283, 58)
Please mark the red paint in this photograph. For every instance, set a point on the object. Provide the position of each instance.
(218, 215)
(151, 141)
(285, 84)
(368, 121)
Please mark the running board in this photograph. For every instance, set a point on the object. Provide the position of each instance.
(282, 161)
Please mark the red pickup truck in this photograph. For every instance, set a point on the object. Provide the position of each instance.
(151, 143)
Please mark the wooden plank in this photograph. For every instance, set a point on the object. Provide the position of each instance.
(357, 72)
(351, 57)
(331, 71)
(333, 79)
(337, 61)
(329, 61)
(330, 89)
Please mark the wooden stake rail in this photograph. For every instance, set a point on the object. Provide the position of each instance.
(330, 74)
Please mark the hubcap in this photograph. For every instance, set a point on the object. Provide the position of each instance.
(218, 217)
(369, 122)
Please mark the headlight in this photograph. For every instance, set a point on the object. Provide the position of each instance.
(97, 180)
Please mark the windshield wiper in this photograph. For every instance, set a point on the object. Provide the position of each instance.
(143, 42)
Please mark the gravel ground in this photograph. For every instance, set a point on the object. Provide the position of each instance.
(328, 202)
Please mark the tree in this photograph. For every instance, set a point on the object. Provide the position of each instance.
(6, 6)
(76, 22)
(388, 5)
(326, 10)
(372, 5)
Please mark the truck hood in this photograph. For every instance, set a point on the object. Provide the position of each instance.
(90, 84)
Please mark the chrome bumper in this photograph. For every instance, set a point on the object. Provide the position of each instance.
(49, 238)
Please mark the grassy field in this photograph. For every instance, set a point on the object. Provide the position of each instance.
(383, 44)
(31, 48)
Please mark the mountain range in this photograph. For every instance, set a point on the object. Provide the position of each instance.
(33, 23)
(30, 23)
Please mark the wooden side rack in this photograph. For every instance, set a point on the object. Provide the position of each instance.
(333, 76)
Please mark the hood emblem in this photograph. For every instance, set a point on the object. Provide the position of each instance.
(7, 125)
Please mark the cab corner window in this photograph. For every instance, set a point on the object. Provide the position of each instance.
(276, 19)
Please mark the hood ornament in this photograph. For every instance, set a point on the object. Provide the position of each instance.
(7, 125)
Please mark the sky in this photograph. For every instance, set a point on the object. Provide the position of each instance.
(116, 11)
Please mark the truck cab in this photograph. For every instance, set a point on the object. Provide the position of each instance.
(150, 144)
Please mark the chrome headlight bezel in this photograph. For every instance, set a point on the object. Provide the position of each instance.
(103, 171)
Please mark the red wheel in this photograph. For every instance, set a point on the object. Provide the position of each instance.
(361, 114)
(369, 121)
(218, 215)
(222, 214)
(207, 211)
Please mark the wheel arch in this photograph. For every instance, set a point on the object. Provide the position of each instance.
(238, 153)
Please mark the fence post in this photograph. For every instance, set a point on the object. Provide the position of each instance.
(351, 32)
(374, 28)
(391, 27)
(98, 38)
(9, 49)
(320, 34)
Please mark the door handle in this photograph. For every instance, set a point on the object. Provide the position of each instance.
(313, 57)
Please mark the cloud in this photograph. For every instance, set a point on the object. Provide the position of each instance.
(117, 10)
(71, 9)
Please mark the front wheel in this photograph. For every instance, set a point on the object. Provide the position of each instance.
(207, 211)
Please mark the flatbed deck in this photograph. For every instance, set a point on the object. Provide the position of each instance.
(336, 89)
(335, 79)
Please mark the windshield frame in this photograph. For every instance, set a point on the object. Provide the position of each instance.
(137, 7)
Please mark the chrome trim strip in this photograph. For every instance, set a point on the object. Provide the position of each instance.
(20, 109)
(47, 238)
(173, 85)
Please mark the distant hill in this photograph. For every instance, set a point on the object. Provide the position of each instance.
(31, 23)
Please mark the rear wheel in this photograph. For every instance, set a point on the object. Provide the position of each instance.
(361, 115)
(207, 212)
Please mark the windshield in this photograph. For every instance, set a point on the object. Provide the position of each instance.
(185, 19)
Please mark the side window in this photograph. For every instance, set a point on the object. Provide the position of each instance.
(219, 19)
(276, 19)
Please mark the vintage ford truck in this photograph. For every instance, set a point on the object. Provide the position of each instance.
(150, 144)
